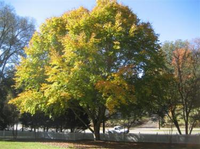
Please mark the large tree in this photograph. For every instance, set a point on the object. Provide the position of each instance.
(89, 57)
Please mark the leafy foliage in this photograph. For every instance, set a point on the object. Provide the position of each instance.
(92, 57)
(182, 94)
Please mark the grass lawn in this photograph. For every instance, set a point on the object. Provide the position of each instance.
(25, 145)
(90, 145)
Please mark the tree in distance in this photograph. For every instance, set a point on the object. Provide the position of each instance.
(182, 95)
(67, 120)
(15, 33)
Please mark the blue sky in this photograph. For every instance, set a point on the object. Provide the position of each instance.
(171, 19)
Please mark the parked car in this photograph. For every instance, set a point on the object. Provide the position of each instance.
(24, 129)
(118, 129)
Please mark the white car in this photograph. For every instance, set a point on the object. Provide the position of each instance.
(118, 129)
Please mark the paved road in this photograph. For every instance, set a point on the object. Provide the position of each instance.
(160, 131)
(155, 131)
(151, 127)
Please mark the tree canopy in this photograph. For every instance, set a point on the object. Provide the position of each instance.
(92, 58)
(182, 94)
(15, 33)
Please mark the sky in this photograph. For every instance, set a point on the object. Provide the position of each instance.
(171, 19)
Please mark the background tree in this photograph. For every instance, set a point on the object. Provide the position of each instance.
(92, 58)
(25, 119)
(132, 115)
(8, 113)
(39, 119)
(15, 32)
(67, 120)
(182, 98)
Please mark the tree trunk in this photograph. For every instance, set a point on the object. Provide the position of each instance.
(97, 123)
(61, 128)
(159, 122)
(177, 126)
(97, 130)
(34, 129)
(13, 131)
(16, 131)
(104, 125)
(186, 126)
(174, 120)
(96, 119)
(192, 126)
(72, 130)
(22, 127)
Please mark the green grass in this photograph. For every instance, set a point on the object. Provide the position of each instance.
(24, 145)
(91, 145)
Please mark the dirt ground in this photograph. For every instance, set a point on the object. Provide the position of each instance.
(118, 145)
